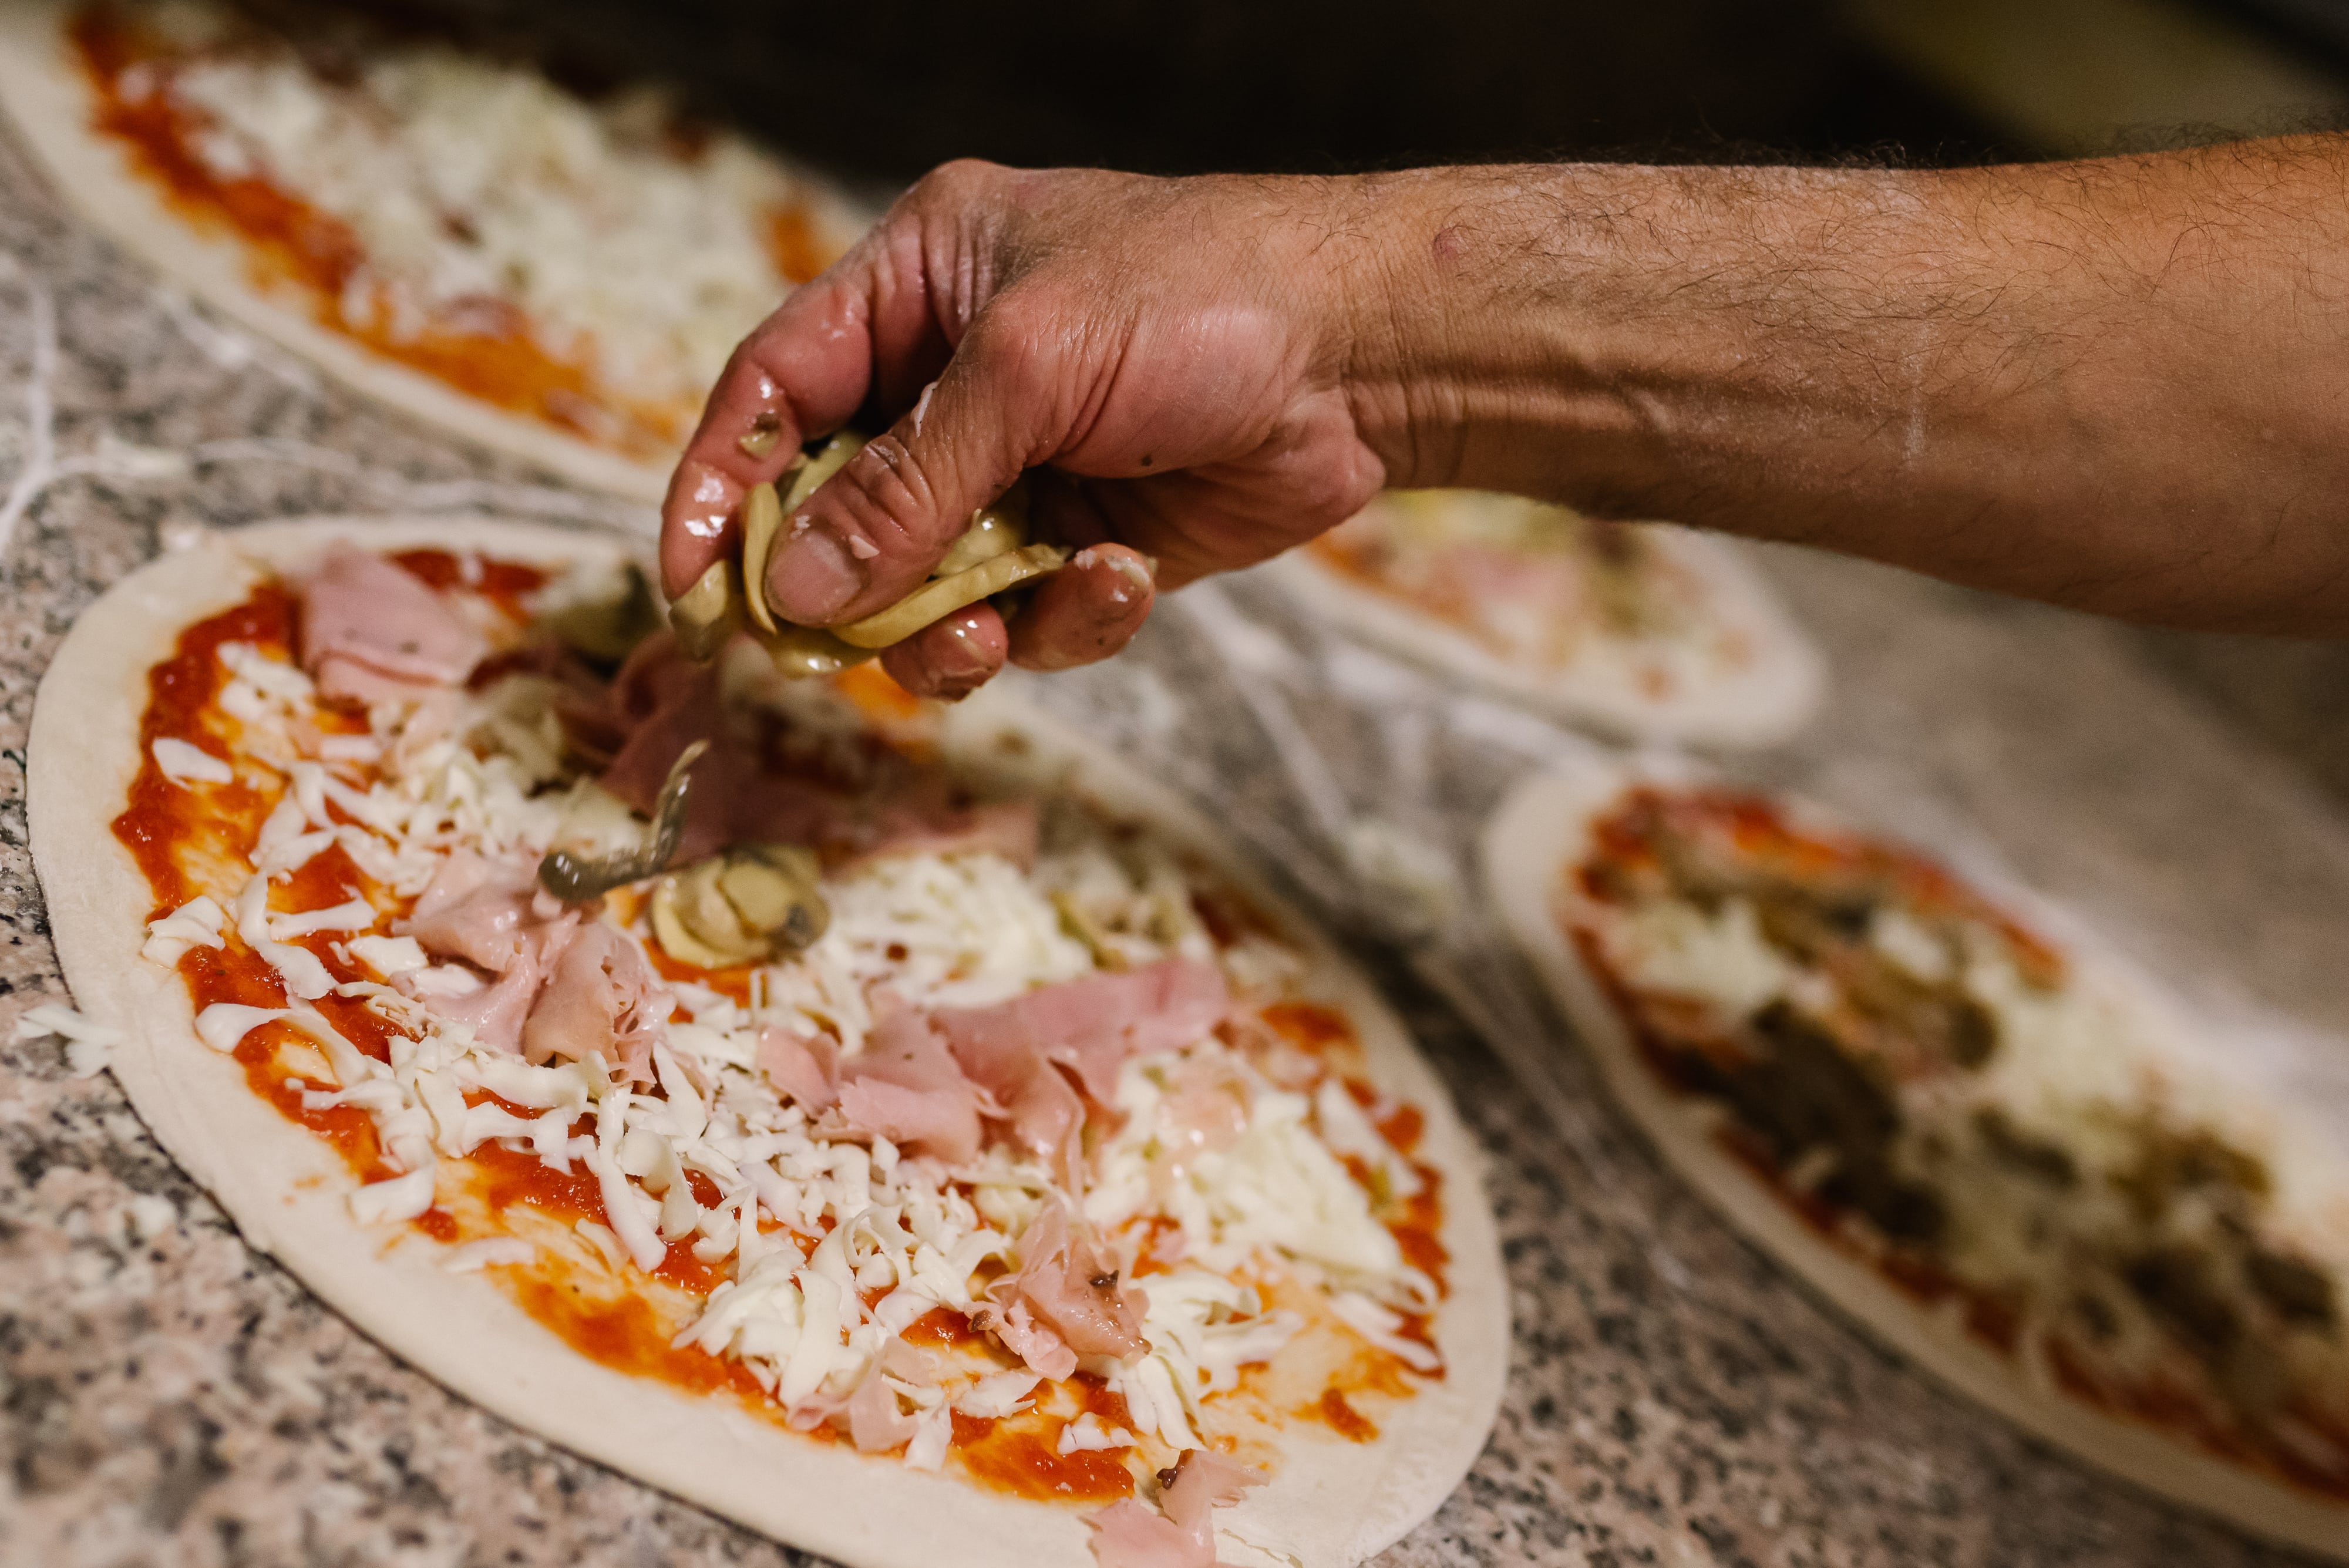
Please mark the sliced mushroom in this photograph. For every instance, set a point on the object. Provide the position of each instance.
(575, 879)
(755, 902)
(707, 615)
(942, 597)
(800, 652)
(991, 556)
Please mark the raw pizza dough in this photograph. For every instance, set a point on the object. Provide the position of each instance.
(49, 101)
(1331, 1502)
(1541, 828)
(1760, 705)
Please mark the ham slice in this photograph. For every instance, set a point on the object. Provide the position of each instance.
(371, 632)
(476, 909)
(1065, 1302)
(1046, 1118)
(497, 1012)
(904, 1087)
(1045, 1353)
(1127, 1535)
(874, 1423)
(600, 997)
(1094, 1024)
(805, 1067)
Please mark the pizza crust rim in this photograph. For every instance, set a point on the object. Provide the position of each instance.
(46, 99)
(1333, 1502)
(1539, 828)
(1757, 709)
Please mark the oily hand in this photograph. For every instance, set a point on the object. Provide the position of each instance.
(1170, 353)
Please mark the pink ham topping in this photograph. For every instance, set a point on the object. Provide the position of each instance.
(1065, 1302)
(904, 1087)
(475, 909)
(1127, 1535)
(601, 998)
(1093, 1025)
(806, 1067)
(562, 988)
(659, 703)
(372, 631)
(1046, 1118)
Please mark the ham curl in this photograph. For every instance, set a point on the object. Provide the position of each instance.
(659, 703)
(475, 909)
(1183, 1533)
(1093, 1025)
(372, 631)
(562, 988)
(1065, 1302)
(601, 997)
(806, 1067)
(904, 1087)
(1046, 1117)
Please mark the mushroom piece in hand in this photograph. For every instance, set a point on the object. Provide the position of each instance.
(991, 557)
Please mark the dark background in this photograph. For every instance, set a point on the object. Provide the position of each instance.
(887, 88)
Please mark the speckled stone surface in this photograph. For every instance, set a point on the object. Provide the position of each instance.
(168, 1397)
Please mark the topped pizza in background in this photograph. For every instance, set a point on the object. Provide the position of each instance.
(950, 1154)
(1642, 631)
(2002, 1148)
(559, 277)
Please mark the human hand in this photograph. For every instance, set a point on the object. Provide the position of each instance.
(1170, 356)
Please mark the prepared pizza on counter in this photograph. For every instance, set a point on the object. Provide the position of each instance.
(1643, 630)
(2002, 1149)
(947, 1150)
(558, 277)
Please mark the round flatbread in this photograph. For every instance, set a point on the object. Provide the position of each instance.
(1998, 1151)
(1328, 1500)
(1646, 632)
(484, 252)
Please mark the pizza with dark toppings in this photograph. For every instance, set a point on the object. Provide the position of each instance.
(2005, 1150)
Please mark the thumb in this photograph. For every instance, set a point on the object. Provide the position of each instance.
(870, 533)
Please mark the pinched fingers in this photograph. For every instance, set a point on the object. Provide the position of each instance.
(870, 533)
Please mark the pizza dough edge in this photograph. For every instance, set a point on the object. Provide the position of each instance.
(1331, 1502)
(1537, 829)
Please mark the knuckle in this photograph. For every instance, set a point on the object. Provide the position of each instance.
(891, 501)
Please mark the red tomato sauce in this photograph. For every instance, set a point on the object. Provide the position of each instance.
(1990, 1319)
(491, 354)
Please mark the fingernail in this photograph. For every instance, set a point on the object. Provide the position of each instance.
(812, 577)
(965, 656)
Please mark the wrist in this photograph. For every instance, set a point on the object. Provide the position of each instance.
(1480, 349)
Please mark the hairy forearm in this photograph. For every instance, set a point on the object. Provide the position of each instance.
(2121, 384)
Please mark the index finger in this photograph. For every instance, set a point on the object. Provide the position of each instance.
(802, 371)
(862, 328)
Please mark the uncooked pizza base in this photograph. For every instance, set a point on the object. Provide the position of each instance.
(48, 100)
(1541, 828)
(1329, 1502)
(1759, 706)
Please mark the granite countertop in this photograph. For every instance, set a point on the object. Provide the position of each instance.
(169, 1397)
